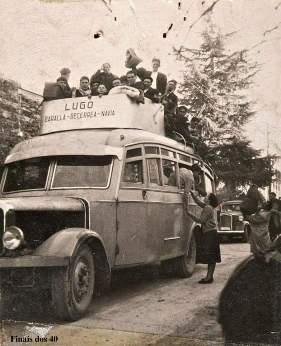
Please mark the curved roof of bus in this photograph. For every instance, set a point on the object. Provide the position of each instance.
(88, 142)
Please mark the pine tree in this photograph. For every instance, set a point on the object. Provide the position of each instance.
(214, 89)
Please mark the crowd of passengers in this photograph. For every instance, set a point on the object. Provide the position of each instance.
(140, 84)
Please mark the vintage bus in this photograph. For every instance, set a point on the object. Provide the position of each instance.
(97, 190)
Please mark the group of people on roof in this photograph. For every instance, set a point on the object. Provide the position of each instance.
(140, 83)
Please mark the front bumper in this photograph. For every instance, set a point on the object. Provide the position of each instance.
(29, 261)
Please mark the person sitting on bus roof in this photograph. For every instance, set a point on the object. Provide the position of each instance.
(180, 123)
(170, 101)
(124, 80)
(102, 90)
(84, 89)
(62, 91)
(132, 80)
(65, 73)
(94, 88)
(149, 92)
(116, 82)
(104, 76)
(159, 78)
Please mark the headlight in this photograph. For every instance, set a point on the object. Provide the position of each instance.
(12, 238)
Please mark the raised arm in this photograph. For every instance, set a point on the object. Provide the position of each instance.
(197, 200)
(194, 217)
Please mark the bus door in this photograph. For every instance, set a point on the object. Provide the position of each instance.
(132, 225)
(164, 202)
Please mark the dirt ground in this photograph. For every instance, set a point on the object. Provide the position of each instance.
(142, 308)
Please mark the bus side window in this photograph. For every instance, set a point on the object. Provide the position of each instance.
(169, 173)
(133, 172)
(199, 182)
(186, 177)
(153, 170)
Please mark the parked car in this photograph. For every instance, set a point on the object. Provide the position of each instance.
(231, 221)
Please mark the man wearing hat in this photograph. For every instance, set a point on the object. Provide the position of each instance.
(149, 92)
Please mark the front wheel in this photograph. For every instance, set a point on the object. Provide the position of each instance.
(73, 287)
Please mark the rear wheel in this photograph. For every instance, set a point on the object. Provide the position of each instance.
(182, 266)
(73, 287)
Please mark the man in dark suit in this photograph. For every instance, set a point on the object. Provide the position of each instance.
(159, 78)
(149, 92)
(103, 76)
(62, 90)
(65, 73)
(181, 123)
(170, 102)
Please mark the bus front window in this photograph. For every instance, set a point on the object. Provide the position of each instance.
(82, 171)
(28, 174)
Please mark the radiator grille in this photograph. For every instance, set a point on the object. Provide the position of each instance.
(225, 221)
(237, 225)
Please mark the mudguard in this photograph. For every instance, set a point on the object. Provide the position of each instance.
(65, 242)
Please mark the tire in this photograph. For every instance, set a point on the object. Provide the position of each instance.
(73, 287)
(182, 266)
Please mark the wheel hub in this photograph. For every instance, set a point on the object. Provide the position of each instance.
(81, 280)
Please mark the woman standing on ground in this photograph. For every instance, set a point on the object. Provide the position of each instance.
(209, 242)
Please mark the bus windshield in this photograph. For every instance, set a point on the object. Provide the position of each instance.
(82, 171)
(28, 174)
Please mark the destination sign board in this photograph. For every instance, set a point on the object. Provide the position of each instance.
(110, 111)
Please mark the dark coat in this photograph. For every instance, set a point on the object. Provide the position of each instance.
(172, 103)
(68, 91)
(161, 81)
(181, 126)
(103, 78)
(152, 94)
(249, 304)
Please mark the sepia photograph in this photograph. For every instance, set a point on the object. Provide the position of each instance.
(140, 172)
